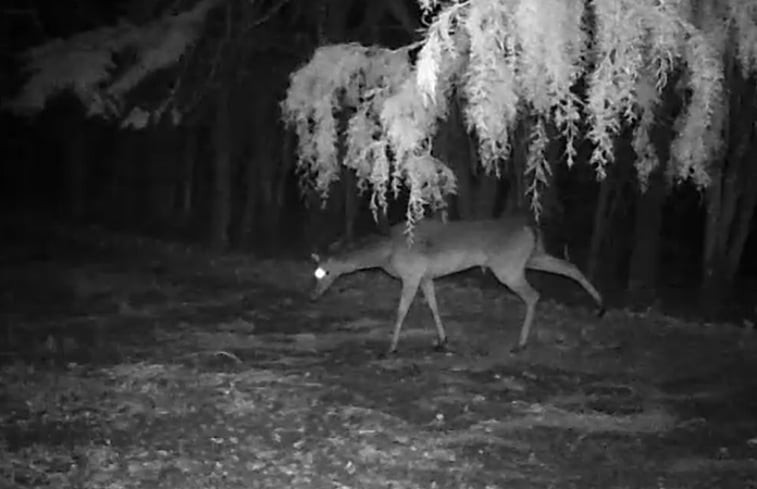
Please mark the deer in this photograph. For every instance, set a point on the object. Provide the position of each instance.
(505, 246)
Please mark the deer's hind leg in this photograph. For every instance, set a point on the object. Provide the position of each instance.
(515, 280)
(427, 286)
(409, 289)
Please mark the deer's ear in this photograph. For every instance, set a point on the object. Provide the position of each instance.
(315, 257)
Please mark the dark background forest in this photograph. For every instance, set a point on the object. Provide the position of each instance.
(226, 176)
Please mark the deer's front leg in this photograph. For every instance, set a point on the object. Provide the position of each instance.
(409, 289)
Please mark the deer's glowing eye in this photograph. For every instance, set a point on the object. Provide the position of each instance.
(319, 273)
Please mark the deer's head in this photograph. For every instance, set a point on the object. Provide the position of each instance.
(326, 271)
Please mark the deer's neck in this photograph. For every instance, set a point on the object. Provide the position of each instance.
(373, 255)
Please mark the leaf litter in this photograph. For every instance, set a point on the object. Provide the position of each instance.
(268, 390)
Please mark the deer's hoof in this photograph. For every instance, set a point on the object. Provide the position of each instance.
(601, 311)
(386, 354)
(518, 349)
(441, 346)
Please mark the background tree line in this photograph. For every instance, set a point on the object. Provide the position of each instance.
(225, 172)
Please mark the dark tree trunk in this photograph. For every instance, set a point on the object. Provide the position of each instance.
(255, 160)
(452, 145)
(271, 203)
(276, 159)
(162, 171)
(515, 201)
(324, 224)
(185, 176)
(76, 153)
(221, 195)
(277, 201)
(744, 215)
(125, 178)
(731, 197)
(601, 223)
(644, 263)
(485, 196)
(248, 222)
(349, 184)
(730, 208)
(552, 221)
(609, 241)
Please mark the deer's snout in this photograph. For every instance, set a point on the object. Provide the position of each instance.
(318, 290)
(321, 286)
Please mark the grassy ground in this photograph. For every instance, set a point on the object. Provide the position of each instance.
(137, 364)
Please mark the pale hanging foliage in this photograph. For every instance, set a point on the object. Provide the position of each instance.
(334, 76)
(506, 57)
(517, 55)
(726, 30)
(428, 5)
(389, 118)
(537, 166)
(84, 64)
(489, 86)
(429, 180)
(699, 127)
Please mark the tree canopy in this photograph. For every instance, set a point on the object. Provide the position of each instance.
(573, 68)
(85, 65)
(587, 68)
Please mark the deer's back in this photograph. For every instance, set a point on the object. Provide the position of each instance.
(443, 248)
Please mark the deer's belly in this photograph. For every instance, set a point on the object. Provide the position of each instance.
(446, 264)
(433, 265)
